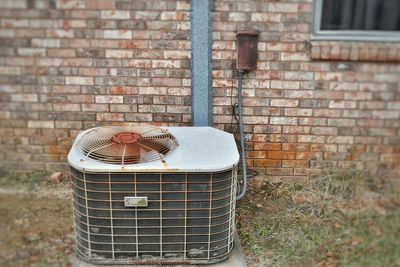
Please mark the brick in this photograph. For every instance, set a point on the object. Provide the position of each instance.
(311, 139)
(342, 104)
(109, 99)
(115, 14)
(178, 109)
(394, 105)
(356, 113)
(284, 103)
(283, 7)
(32, 52)
(110, 116)
(17, 4)
(117, 34)
(299, 94)
(119, 53)
(10, 70)
(93, 71)
(237, 16)
(100, 4)
(267, 146)
(313, 121)
(166, 82)
(323, 147)
(79, 80)
(267, 163)
(285, 47)
(296, 163)
(291, 112)
(166, 64)
(36, 42)
(330, 113)
(70, 4)
(61, 52)
(357, 96)
(69, 124)
(324, 130)
(340, 139)
(385, 114)
(288, 56)
(66, 107)
(95, 107)
(387, 77)
(80, 98)
(257, 154)
(308, 155)
(73, 23)
(295, 147)
(40, 124)
(281, 155)
(285, 84)
(173, 15)
(7, 33)
(58, 33)
(139, 63)
(342, 122)
(284, 120)
(24, 97)
(182, 5)
(172, 54)
(261, 17)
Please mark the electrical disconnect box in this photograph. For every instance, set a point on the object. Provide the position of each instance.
(247, 53)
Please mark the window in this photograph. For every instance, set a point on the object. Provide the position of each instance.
(371, 20)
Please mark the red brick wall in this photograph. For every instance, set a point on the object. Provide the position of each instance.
(307, 112)
(69, 65)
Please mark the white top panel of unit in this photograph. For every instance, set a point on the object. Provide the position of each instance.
(200, 149)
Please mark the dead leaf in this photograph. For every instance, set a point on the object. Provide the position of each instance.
(356, 240)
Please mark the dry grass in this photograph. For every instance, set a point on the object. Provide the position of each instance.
(344, 218)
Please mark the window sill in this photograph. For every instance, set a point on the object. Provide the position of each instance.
(355, 51)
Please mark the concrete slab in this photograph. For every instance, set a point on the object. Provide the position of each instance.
(236, 259)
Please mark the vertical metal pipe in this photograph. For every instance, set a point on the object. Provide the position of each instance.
(201, 73)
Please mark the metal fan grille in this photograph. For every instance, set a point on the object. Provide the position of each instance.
(127, 145)
(189, 218)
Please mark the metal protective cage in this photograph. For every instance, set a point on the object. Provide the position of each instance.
(189, 218)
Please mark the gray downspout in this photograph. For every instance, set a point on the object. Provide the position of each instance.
(201, 72)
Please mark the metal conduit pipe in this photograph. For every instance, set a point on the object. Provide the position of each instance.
(243, 152)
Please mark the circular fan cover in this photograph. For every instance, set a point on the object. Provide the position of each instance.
(127, 144)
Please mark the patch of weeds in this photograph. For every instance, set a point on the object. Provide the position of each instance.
(29, 180)
(24, 179)
(342, 184)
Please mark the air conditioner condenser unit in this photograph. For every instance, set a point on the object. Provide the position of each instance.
(148, 195)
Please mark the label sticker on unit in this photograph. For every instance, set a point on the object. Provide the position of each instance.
(136, 202)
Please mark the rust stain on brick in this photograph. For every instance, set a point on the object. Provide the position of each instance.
(56, 151)
(119, 90)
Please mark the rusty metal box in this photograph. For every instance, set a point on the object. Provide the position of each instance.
(247, 53)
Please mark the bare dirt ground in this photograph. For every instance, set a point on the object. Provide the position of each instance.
(342, 219)
(36, 227)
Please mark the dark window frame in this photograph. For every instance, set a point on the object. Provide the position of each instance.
(347, 35)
